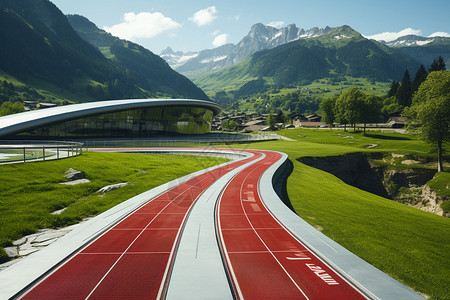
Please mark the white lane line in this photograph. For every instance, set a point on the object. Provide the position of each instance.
(262, 241)
(116, 253)
(248, 228)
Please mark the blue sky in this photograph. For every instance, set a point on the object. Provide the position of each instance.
(192, 25)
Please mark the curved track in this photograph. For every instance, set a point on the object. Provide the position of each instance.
(264, 259)
(145, 254)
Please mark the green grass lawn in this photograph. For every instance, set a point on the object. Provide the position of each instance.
(30, 191)
(408, 244)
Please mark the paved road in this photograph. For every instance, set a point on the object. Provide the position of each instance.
(215, 235)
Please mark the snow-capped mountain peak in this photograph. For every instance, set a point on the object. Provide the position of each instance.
(260, 37)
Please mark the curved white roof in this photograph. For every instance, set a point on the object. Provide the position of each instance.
(27, 120)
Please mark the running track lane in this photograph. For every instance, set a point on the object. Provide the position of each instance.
(131, 260)
(263, 259)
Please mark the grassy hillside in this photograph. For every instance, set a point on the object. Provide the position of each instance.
(30, 191)
(147, 70)
(302, 99)
(342, 52)
(41, 49)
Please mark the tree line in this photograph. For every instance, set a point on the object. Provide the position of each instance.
(401, 93)
(351, 107)
(427, 114)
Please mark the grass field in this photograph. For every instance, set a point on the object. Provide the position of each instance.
(30, 192)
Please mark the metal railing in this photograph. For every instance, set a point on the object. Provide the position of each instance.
(12, 151)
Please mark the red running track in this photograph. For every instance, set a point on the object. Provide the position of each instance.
(132, 259)
(264, 260)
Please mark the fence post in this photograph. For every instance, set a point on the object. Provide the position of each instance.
(57, 152)
(24, 158)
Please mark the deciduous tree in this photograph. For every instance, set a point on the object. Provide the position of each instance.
(370, 110)
(348, 107)
(328, 111)
(429, 114)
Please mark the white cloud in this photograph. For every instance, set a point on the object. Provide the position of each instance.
(205, 16)
(276, 24)
(392, 36)
(216, 32)
(237, 17)
(142, 25)
(220, 40)
(444, 34)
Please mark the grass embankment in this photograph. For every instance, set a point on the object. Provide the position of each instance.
(410, 245)
(30, 191)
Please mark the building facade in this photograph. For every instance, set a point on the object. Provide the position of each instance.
(135, 118)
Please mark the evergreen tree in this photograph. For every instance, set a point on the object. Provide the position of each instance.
(280, 118)
(420, 77)
(404, 93)
(394, 88)
(271, 120)
(438, 65)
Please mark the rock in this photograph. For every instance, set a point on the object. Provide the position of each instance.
(72, 174)
(433, 201)
(20, 242)
(12, 251)
(59, 211)
(48, 235)
(371, 146)
(109, 188)
(410, 162)
(75, 182)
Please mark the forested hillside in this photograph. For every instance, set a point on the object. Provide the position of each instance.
(341, 52)
(43, 53)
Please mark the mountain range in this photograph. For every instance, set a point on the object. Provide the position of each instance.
(340, 52)
(41, 49)
(262, 37)
(423, 49)
(149, 71)
(70, 57)
(259, 38)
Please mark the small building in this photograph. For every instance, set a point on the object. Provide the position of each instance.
(396, 122)
(308, 124)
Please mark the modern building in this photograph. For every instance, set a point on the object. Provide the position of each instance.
(131, 118)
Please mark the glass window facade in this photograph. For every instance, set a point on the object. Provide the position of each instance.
(137, 123)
